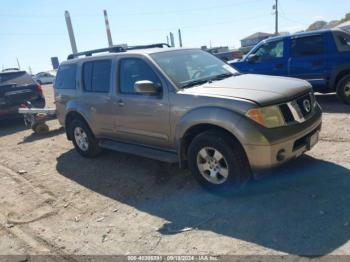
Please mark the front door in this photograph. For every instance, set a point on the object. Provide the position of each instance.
(141, 119)
(308, 60)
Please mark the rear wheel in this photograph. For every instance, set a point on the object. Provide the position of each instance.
(218, 162)
(83, 139)
(343, 89)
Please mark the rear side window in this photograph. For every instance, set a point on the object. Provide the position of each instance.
(66, 77)
(342, 40)
(308, 46)
(96, 76)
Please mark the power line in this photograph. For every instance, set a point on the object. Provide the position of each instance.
(201, 25)
(165, 12)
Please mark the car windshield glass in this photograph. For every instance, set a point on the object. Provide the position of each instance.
(192, 67)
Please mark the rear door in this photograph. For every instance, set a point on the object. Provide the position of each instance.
(97, 96)
(308, 59)
(270, 59)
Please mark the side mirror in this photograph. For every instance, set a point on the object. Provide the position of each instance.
(146, 87)
(252, 58)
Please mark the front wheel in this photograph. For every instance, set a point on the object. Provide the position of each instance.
(343, 89)
(84, 141)
(218, 162)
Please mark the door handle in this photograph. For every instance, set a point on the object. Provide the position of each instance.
(279, 66)
(317, 63)
(93, 109)
(121, 103)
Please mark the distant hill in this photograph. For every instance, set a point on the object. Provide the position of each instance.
(324, 24)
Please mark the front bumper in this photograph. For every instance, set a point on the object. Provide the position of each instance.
(291, 145)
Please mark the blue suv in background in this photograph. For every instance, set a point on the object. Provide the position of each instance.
(320, 57)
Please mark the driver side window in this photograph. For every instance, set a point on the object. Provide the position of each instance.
(132, 70)
(270, 51)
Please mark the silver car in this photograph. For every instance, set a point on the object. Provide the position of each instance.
(186, 106)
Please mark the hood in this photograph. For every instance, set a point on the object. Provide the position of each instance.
(261, 89)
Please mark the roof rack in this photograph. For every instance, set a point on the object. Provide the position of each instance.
(116, 49)
(159, 45)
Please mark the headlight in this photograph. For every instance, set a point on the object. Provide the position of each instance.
(269, 116)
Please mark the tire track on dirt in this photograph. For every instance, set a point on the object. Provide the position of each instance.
(20, 227)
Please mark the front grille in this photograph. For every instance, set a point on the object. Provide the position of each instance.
(305, 104)
(287, 114)
(299, 109)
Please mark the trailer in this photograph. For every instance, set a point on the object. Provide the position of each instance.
(36, 118)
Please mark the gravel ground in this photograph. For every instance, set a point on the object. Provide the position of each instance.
(53, 201)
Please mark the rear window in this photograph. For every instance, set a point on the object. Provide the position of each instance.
(16, 79)
(96, 76)
(308, 46)
(66, 77)
(342, 41)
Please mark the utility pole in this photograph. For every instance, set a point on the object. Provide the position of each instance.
(275, 7)
(108, 29)
(71, 32)
(167, 40)
(180, 38)
(19, 65)
(172, 40)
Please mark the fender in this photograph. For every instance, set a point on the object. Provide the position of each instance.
(221, 117)
(81, 109)
(216, 116)
(335, 74)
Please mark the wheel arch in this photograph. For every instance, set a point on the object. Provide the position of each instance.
(202, 120)
(71, 116)
(338, 76)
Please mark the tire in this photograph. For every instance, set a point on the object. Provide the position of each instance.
(343, 90)
(81, 135)
(41, 128)
(229, 173)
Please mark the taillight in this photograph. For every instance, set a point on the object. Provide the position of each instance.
(39, 89)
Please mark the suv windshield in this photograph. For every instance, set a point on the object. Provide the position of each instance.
(191, 67)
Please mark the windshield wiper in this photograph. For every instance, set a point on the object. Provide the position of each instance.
(195, 82)
(208, 80)
(221, 76)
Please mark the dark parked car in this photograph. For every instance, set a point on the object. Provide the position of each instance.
(17, 87)
(320, 57)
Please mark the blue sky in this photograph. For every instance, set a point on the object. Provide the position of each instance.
(35, 30)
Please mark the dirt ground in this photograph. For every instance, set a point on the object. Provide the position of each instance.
(53, 201)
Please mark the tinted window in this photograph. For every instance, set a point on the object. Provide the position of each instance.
(308, 46)
(87, 76)
(344, 40)
(269, 51)
(96, 76)
(133, 70)
(18, 78)
(66, 77)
